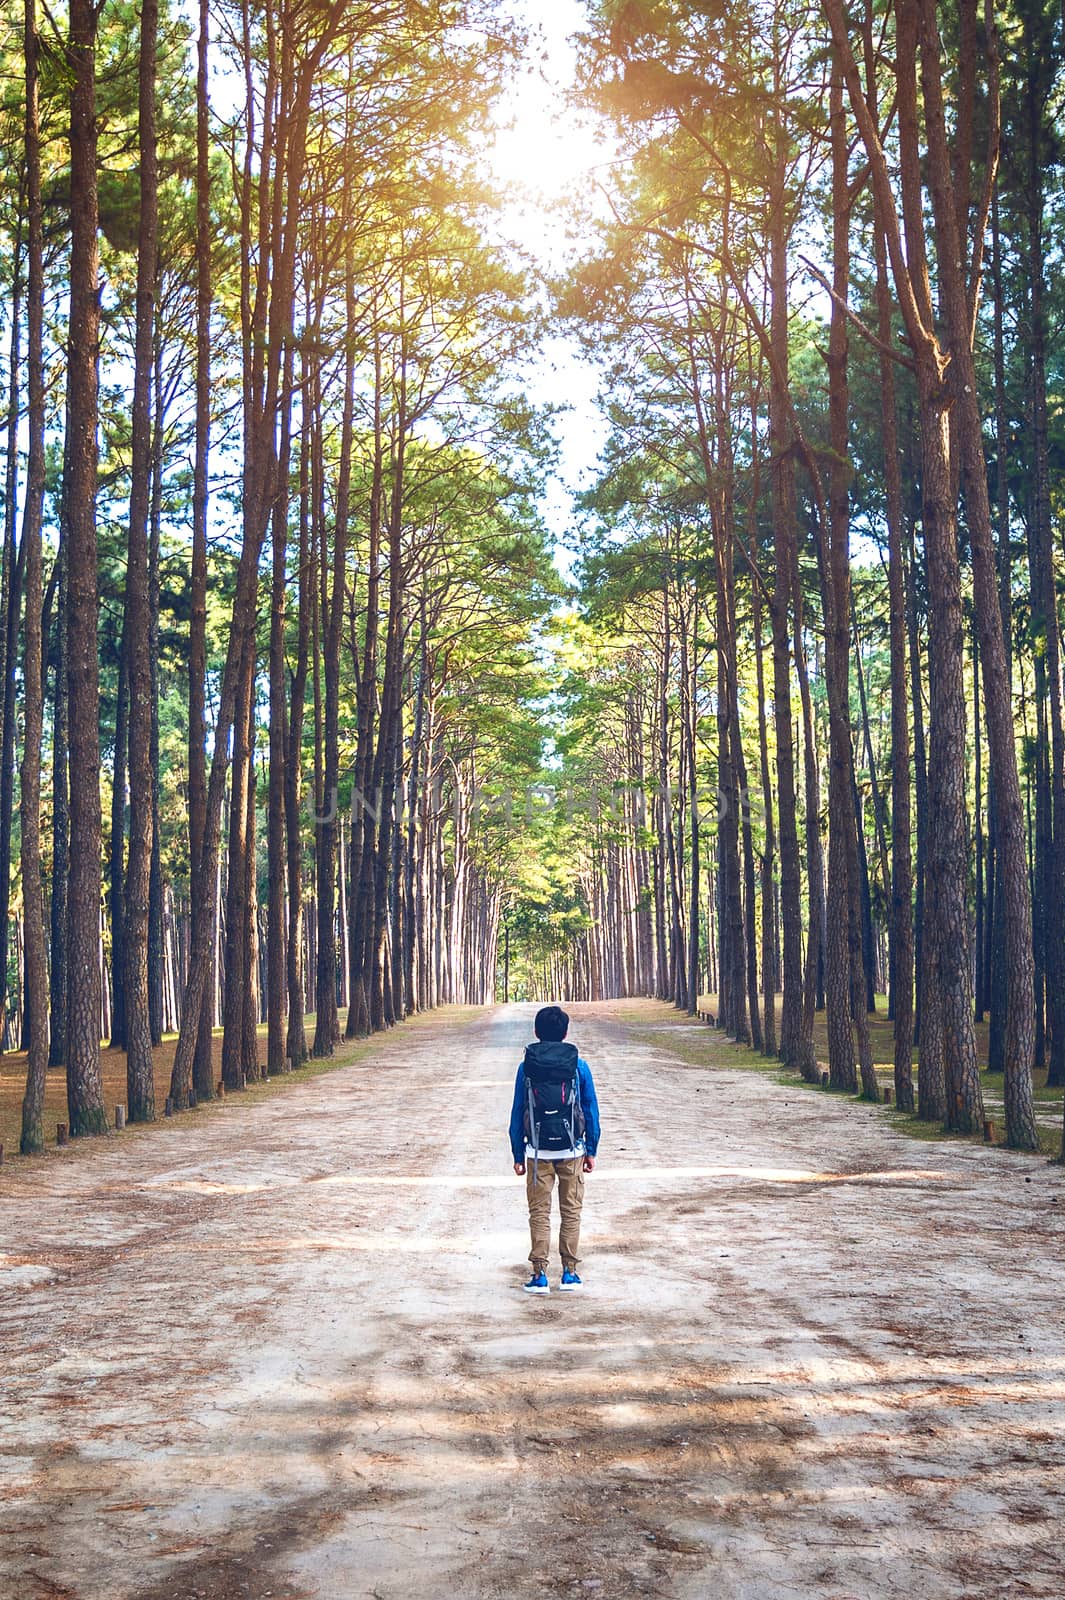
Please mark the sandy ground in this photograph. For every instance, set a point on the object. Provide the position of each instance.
(282, 1351)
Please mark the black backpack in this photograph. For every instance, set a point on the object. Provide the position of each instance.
(554, 1118)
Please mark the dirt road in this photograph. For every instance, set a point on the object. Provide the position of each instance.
(282, 1351)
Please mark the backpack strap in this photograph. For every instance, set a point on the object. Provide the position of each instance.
(534, 1132)
(578, 1105)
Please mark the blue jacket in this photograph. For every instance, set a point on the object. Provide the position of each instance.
(589, 1105)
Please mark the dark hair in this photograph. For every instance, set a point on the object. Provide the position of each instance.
(551, 1024)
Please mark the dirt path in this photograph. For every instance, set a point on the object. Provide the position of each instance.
(281, 1352)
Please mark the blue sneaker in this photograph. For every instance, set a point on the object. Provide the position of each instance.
(569, 1280)
(537, 1284)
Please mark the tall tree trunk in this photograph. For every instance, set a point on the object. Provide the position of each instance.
(1042, 837)
(203, 907)
(327, 1025)
(732, 798)
(949, 948)
(867, 953)
(279, 258)
(769, 942)
(1045, 619)
(236, 957)
(732, 956)
(59, 965)
(276, 987)
(879, 820)
(365, 802)
(995, 981)
(10, 616)
(84, 1085)
(667, 831)
(412, 1000)
(786, 557)
(249, 1049)
(920, 767)
(844, 976)
(36, 959)
(805, 1059)
(296, 1044)
(978, 786)
(692, 977)
(157, 891)
(397, 912)
(902, 954)
(140, 1081)
(117, 888)
(749, 908)
(959, 301)
(386, 776)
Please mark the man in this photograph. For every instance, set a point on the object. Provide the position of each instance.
(554, 1136)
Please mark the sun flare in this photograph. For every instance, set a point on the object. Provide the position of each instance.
(546, 151)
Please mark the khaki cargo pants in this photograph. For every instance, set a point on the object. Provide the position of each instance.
(569, 1175)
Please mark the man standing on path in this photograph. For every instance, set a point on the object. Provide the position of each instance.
(554, 1135)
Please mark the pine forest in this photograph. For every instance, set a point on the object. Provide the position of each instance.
(317, 714)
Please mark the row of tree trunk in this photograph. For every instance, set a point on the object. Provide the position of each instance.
(923, 187)
(364, 892)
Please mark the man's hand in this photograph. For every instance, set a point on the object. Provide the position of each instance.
(589, 1163)
(519, 1168)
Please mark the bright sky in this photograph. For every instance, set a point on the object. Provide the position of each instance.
(547, 154)
(547, 150)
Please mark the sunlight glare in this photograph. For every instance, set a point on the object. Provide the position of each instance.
(545, 152)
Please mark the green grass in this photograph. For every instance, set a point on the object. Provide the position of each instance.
(711, 1049)
(991, 1083)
